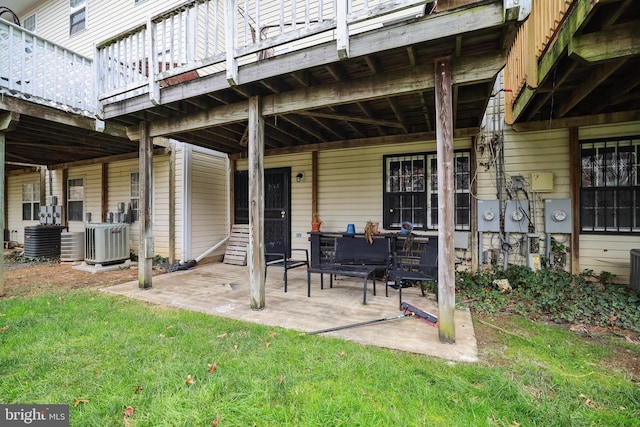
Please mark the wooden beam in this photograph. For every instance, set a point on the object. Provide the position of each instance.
(108, 159)
(362, 142)
(27, 108)
(446, 206)
(417, 79)
(599, 75)
(9, 120)
(618, 42)
(145, 247)
(256, 204)
(578, 121)
(347, 118)
(314, 184)
(104, 196)
(575, 182)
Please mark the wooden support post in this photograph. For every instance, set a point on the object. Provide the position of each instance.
(446, 224)
(256, 204)
(104, 199)
(145, 247)
(231, 34)
(574, 160)
(8, 121)
(342, 29)
(314, 184)
(2, 206)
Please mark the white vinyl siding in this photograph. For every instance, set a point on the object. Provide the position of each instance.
(15, 225)
(209, 206)
(92, 180)
(102, 21)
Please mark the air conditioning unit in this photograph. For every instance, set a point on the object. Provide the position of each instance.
(106, 243)
(634, 279)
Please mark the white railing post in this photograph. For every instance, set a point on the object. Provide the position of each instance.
(152, 63)
(97, 67)
(230, 41)
(342, 29)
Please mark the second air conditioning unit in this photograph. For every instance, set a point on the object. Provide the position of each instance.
(106, 243)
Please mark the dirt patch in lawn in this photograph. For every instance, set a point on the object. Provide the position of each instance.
(25, 276)
(624, 345)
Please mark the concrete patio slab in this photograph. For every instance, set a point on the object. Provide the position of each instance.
(223, 290)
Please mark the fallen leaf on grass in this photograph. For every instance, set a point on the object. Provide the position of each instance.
(216, 422)
(4, 328)
(343, 353)
(80, 401)
(281, 380)
(128, 412)
(189, 380)
(272, 334)
(588, 402)
(168, 327)
(629, 340)
(137, 389)
(514, 424)
(212, 367)
(223, 335)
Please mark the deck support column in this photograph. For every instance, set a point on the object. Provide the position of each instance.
(8, 121)
(145, 246)
(256, 204)
(446, 221)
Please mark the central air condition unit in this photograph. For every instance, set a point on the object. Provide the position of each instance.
(106, 243)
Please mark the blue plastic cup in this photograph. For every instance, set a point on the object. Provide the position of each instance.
(351, 229)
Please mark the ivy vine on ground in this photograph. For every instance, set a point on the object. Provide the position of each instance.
(551, 295)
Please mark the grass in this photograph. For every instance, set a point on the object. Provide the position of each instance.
(101, 354)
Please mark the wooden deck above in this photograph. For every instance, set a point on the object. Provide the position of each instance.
(575, 63)
(365, 77)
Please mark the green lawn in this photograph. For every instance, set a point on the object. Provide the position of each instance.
(101, 354)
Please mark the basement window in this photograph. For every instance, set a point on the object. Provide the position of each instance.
(134, 198)
(31, 201)
(610, 185)
(75, 199)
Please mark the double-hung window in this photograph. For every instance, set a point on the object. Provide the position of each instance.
(134, 196)
(610, 185)
(411, 191)
(31, 201)
(77, 16)
(75, 199)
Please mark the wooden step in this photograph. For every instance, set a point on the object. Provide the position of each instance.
(236, 252)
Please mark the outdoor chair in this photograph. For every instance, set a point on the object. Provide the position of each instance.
(407, 269)
(277, 255)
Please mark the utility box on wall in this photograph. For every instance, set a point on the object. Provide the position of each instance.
(516, 216)
(542, 182)
(489, 215)
(557, 216)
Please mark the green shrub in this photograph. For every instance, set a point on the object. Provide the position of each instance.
(552, 295)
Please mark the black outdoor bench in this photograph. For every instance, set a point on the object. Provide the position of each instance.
(355, 257)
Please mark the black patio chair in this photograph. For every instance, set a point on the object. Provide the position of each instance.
(277, 255)
(407, 269)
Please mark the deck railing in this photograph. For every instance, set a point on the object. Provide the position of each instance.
(194, 39)
(202, 37)
(43, 72)
(532, 39)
